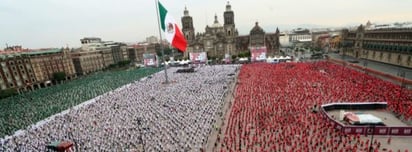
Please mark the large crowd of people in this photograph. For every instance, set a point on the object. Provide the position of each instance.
(21, 111)
(146, 115)
(272, 109)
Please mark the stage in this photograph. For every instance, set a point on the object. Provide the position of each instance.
(392, 125)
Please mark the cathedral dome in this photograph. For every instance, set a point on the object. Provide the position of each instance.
(257, 29)
(216, 23)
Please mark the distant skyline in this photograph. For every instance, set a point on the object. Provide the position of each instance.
(56, 23)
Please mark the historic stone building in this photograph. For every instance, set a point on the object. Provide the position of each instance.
(86, 62)
(49, 61)
(136, 51)
(383, 43)
(218, 39)
(31, 69)
(259, 38)
(95, 55)
(118, 50)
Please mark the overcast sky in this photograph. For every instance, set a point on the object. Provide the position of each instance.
(55, 23)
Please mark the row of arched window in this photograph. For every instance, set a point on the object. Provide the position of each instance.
(388, 47)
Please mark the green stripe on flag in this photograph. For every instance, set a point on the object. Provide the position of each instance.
(162, 12)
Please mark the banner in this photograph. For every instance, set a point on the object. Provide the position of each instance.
(227, 58)
(150, 60)
(258, 54)
(198, 57)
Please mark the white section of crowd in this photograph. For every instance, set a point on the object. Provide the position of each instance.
(146, 114)
(45, 121)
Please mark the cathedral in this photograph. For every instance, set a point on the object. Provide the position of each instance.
(219, 40)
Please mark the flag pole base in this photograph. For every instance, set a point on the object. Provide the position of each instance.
(169, 82)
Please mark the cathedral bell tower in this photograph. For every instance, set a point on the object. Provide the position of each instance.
(230, 29)
(229, 20)
(187, 27)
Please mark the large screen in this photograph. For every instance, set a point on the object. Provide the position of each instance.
(150, 60)
(198, 57)
(258, 54)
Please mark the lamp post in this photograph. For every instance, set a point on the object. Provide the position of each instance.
(343, 68)
(402, 75)
(365, 66)
(372, 127)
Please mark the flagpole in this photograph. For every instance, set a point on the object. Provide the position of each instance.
(161, 44)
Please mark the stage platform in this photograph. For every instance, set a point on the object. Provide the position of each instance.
(392, 125)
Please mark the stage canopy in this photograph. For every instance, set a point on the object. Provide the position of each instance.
(362, 119)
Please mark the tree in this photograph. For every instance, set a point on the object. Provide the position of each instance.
(248, 54)
(124, 63)
(59, 76)
(7, 93)
(244, 54)
(167, 51)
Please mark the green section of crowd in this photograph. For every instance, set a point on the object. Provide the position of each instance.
(21, 111)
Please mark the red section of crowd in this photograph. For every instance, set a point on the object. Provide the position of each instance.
(272, 107)
(372, 71)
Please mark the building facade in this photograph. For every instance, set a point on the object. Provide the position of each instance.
(47, 62)
(219, 40)
(86, 62)
(119, 51)
(136, 51)
(259, 38)
(111, 53)
(391, 44)
(16, 72)
(301, 37)
(152, 40)
(32, 69)
(326, 39)
(107, 56)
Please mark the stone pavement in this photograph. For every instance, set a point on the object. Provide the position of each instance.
(222, 118)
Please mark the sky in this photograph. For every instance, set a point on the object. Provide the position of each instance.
(58, 23)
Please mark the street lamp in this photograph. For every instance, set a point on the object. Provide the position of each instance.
(402, 74)
(365, 66)
(372, 127)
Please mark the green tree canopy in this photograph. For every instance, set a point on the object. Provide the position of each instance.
(59, 76)
(7, 93)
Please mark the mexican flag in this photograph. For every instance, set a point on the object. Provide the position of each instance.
(171, 30)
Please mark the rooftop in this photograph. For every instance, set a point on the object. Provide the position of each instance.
(6, 55)
(372, 26)
(257, 29)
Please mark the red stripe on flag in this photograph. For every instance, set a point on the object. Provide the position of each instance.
(179, 40)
